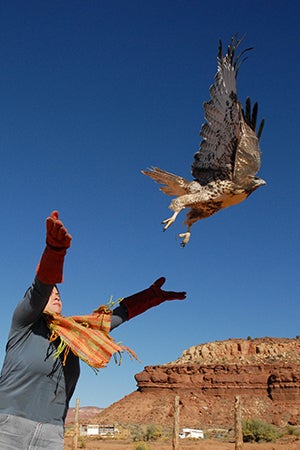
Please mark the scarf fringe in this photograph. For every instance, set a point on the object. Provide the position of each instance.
(88, 337)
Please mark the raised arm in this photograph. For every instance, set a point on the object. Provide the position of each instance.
(49, 272)
(58, 240)
(140, 302)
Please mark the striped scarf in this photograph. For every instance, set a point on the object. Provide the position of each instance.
(86, 336)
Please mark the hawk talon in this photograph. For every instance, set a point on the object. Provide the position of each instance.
(186, 237)
(168, 223)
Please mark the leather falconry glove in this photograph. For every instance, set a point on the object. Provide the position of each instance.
(58, 240)
(138, 303)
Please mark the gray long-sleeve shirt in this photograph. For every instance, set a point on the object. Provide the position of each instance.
(32, 384)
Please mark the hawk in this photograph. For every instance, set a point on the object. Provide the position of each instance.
(229, 157)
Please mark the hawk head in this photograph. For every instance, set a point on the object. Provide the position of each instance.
(254, 183)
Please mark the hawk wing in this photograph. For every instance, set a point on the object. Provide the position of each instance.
(223, 113)
(248, 154)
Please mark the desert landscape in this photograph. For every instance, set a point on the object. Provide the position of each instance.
(264, 373)
(203, 444)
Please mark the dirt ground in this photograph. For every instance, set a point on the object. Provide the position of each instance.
(205, 444)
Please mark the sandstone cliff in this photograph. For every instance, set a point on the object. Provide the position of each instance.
(264, 372)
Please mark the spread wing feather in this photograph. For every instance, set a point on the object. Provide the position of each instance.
(248, 155)
(221, 132)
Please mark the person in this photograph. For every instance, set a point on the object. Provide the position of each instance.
(41, 365)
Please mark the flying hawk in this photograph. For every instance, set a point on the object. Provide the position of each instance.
(225, 167)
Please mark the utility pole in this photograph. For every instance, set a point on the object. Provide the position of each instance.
(76, 425)
(175, 443)
(238, 424)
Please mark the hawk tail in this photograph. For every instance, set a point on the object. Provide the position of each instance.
(171, 184)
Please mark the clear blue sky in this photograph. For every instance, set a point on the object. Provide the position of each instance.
(91, 92)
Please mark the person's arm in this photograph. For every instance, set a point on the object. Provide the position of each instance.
(142, 301)
(49, 272)
(119, 315)
(58, 240)
(32, 305)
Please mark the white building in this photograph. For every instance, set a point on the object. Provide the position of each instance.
(98, 430)
(191, 433)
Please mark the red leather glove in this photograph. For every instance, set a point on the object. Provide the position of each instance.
(138, 303)
(58, 240)
(166, 295)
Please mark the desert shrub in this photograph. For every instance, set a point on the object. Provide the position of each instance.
(82, 443)
(150, 433)
(142, 446)
(137, 434)
(293, 431)
(255, 430)
(153, 433)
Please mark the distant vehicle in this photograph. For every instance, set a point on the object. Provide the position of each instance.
(191, 433)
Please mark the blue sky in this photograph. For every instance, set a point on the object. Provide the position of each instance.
(94, 91)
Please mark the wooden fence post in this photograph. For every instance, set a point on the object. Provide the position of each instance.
(238, 424)
(176, 424)
(76, 426)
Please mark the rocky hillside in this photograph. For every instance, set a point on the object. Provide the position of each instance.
(264, 372)
(243, 352)
(85, 413)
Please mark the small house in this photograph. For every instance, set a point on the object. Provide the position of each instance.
(191, 433)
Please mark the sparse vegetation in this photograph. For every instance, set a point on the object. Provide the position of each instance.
(82, 442)
(153, 433)
(255, 430)
(293, 431)
(137, 434)
(142, 446)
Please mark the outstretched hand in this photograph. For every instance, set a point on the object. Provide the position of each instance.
(166, 295)
(57, 235)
